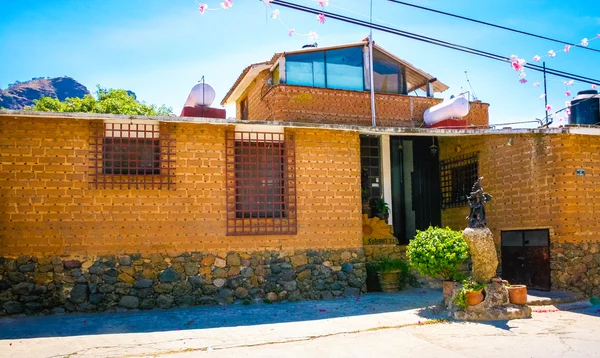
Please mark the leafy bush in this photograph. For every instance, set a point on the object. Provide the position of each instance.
(389, 265)
(438, 252)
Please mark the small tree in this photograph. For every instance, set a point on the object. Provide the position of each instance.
(438, 252)
(113, 101)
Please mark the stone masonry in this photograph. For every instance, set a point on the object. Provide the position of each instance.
(576, 267)
(114, 282)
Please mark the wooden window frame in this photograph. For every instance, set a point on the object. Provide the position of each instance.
(127, 155)
(261, 183)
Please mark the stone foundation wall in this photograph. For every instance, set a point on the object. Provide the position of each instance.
(575, 267)
(109, 283)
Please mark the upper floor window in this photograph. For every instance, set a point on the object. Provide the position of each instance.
(340, 69)
(388, 74)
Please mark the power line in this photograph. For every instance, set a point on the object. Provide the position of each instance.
(432, 41)
(493, 25)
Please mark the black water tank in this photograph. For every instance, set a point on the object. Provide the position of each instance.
(585, 108)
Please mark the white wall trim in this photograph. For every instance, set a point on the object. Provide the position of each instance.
(386, 172)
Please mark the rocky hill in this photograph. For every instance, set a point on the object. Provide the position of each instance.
(21, 94)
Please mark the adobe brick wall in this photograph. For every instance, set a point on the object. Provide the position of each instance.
(48, 207)
(284, 103)
(534, 185)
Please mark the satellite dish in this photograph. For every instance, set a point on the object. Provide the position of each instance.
(201, 94)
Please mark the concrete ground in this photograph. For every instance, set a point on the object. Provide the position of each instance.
(372, 325)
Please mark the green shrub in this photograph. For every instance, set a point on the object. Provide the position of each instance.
(438, 252)
(388, 265)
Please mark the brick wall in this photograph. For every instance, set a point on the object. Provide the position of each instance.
(534, 185)
(286, 103)
(48, 207)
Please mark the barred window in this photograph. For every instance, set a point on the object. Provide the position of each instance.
(458, 175)
(261, 184)
(126, 155)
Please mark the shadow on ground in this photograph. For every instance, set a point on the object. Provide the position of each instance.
(216, 316)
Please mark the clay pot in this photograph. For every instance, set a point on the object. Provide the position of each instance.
(389, 281)
(517, 294)
(448, 287)
(474, 297)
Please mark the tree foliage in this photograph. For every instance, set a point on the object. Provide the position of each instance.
(113, 101)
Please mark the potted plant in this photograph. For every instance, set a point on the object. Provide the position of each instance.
(517, 294)
(380, 209)
(438, 253)
(391, 273)
(470, 294)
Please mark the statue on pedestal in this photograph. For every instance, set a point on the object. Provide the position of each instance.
(477, 200)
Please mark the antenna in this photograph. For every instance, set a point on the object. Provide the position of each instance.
(471, 87)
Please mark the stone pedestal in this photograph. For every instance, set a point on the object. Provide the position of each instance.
(483, 253)
(495, 306)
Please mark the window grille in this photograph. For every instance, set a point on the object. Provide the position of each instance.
(458, 175)
(131, 155)
(261, 184)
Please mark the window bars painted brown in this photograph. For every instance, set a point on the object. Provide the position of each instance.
(458, 175)
(131, 155)
(261, 183)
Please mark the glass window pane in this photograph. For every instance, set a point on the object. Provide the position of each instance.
(306, 69)
(387, 74)
(345, 69)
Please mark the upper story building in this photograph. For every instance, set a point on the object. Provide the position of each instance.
(332, 85)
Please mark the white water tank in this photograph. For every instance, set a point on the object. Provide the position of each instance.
(456, 107)
(201, 94)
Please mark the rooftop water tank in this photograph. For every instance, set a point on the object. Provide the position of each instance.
(585, 108)
(201, 94)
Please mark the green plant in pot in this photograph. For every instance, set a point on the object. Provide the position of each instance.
(380, 209)
(438, 252)
(470, 294)
(392, 274)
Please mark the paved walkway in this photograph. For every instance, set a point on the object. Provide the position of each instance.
(221, 331)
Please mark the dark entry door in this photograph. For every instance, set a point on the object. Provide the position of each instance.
(415, 186)
(526, 258)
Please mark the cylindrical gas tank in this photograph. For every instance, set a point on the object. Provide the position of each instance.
(456, 107)
(585, 108)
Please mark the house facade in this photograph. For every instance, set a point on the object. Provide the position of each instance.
(100, 211)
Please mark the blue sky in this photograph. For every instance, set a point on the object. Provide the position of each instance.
(159, 49)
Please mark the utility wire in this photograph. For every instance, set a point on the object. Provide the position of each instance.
(431, 40)
(494, 25)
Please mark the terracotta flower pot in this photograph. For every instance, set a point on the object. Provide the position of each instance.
(474, 297)
(517, 294)
(448, 286)
(389, 281)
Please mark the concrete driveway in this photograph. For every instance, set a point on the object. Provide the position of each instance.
(374, 324)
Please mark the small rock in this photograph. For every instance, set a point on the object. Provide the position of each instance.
(5, 285)
(289, 286)
(164, 301)
(143, 283)
(27, 268)
(58, 311)
(225, 296)
(72, 264)
(190, 268)
(247, 272)
(156, 258)
(304, 275)
(23, 288)
(144, 292)
(272, 297)
(219, 282)
(233, 259)
(129, 302)
(147, 304)
(87, 264)
(12, 307)
(196, 281)
(79, 294)
(124, 260)
(275, 269)
(126, 278)
(16, 277)
(208, 261)
(347, 267)
(96, 270)
(219, 262)
(21, 260)
(163, 288)
(169, 275)
(96, 298)
(351, 292)
(241, 293)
